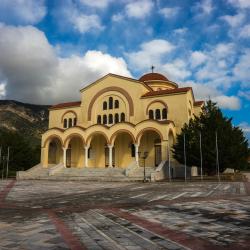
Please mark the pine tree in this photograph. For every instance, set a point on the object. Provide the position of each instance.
(232, 145)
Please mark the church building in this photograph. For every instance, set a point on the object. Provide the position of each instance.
(119, 123)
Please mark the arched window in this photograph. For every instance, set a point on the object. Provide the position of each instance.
(122, 117)
(164, 113)
(75, 121)
(104, 119)
(104, 106)
(65, 123)
(110, 119)
(70, 122)
(99, 119)
(110, 102)
(151, 114)
(157, 114)
(116, 118)
(116, 104)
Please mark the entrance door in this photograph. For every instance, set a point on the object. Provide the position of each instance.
(68, 157)
(157, 155)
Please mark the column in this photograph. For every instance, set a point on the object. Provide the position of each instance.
(110, 155)
(164, 150)
(137, 154)
(86, 156)
(64, 156)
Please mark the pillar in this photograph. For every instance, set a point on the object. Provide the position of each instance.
(64, 156)
(164, 150)
(137, 154)
(110, 155)
(86, 156)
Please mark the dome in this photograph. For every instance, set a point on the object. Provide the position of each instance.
(153, 77)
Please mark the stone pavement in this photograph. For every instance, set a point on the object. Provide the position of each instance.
(106, 215)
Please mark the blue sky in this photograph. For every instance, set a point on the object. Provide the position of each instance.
(49, 49)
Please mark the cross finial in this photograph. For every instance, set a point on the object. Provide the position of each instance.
(152, 68)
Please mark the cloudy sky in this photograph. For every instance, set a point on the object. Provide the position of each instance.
(49, 49)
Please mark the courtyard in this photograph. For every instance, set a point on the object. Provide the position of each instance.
(124, 215)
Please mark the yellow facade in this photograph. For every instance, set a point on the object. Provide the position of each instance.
(116, 121)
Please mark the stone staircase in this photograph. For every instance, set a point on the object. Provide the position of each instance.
(36, 172)
(58, 172)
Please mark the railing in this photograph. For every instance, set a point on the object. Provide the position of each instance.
(131, 167)
(57, 168)
(159, 173)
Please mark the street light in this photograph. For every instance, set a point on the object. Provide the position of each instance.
(143, 156)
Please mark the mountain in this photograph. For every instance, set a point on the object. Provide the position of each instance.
(30, 120)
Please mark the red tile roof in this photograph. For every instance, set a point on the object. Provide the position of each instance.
(66, 105)
(198, 103)
(167, 91)
(153, 76)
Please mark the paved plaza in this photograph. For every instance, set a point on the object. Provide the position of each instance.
(111, 215)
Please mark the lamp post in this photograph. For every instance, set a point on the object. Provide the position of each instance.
(143, 156)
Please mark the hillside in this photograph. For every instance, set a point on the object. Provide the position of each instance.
(30, 120)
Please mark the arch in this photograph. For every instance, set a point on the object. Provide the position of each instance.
(69, 111)
(164, 113)
(99, 119)
(70, 136)
(113, 137)
(89, 138)
(123, 118)
(162, 102)
(104, 119)
(104, 105)
(70, 123)
(110, 119)
(151, 114)
(139, 135)
(116, 118)
(158, 114)
(110, 102)
(65, 123)
(116, 104)
(118, 89)
(50, 138)
(74, 121)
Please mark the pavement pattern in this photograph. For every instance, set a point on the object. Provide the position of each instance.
(111, 215)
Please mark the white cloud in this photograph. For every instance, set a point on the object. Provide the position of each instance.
(242, 69)
(22, 11)
(169, 12)
(240, 3)
(177, 70)
(139, 8)
(245, 94)
(117, 17)
(2, 90)
(150, 53)
(180, 31)
(70, 16)
(84, 23)
(234, 21)
(245, 127)
(228, 102)
(34, 73)
(205, 7)
(197, 58)
(245, 31)
(96, 3)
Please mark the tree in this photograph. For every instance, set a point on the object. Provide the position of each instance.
(232, 145)
(22, 155)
